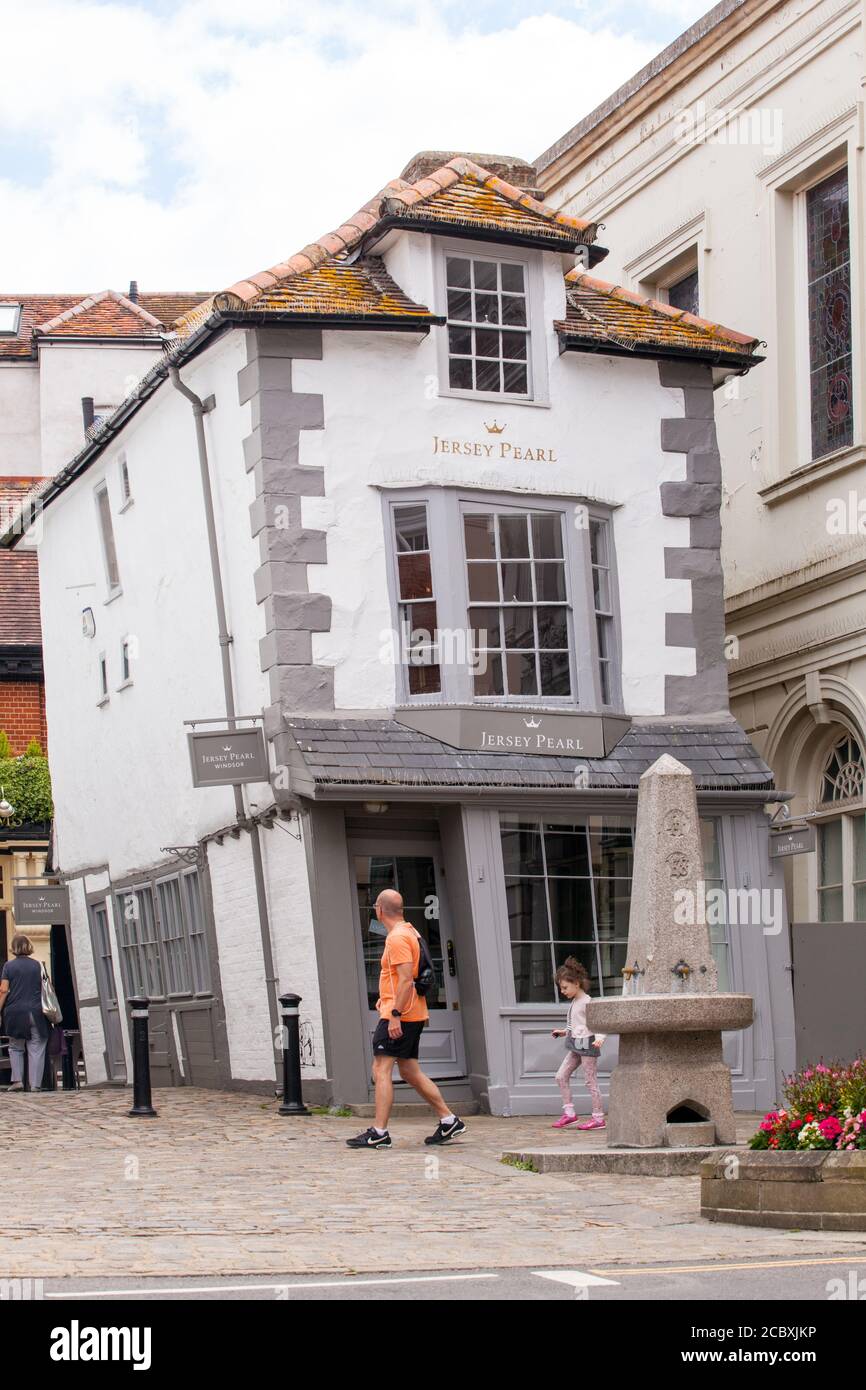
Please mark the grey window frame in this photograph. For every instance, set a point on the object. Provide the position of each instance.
(138, 968)
(445, 510)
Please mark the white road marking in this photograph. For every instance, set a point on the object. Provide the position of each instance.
(576, 1278)
(347, 1283)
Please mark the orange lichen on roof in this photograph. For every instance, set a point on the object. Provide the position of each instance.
(461, 193)
(335, 287)
(600, 311)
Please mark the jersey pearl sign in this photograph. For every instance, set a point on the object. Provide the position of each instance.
(495, 447)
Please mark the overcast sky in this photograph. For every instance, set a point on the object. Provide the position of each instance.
(187, 143)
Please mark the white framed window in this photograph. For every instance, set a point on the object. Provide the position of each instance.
(125, 662)
(125, 484)
(106, 531)
(492, 345)
(502, 599)
(103, 677)
(671, 269)
(10, 318)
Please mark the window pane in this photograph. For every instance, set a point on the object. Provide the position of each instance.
(460, 341)
(485, 275)
(198, 941)
(516, 582)
(570, 907)
(514, 346)
(555, 674)
(550, 581)
(830, 905)
(486, 308)
(860, 902)
(479, 536)
(486, 343)
(410, 528)
(488, 680)
(547, 535)
(566, 850)
(521, 848)
(512, 277)
(527, 909)
(515, 379)
(684, 294)
(460, 373)
(830, 855)
(459, 305)
(513, 537)
(533, 973)
(519, 627)
(108, 545)
(416, 580)
(425, 680)
(553, 627)
(483, 582)
(521, 673)
(513, 311)
(486, 631)
(487, 376)
(457, 271)
(859, 827)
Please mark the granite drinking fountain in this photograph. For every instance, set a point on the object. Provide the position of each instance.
(671, 1087)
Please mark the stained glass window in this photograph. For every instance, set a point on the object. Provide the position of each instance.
(843, 774)
(684, 294)
(829, 272)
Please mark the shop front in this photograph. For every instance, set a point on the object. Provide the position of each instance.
(507, 869)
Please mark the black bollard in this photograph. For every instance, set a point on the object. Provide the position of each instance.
(293, 1101)
(70, 1080)
(141, 1099)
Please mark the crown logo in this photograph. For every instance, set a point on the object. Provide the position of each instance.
(494, 428)
(227, 748)
(532, 723)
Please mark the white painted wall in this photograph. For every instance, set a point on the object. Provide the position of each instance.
(20, 454)
(382, 412)
(70, 371)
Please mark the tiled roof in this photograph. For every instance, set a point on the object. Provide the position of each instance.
(461, 196)
(382, 753)
(103, 314)
(599, 313)
(362, 287)
(19, 577)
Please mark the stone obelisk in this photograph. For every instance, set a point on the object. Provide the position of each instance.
(671, 1015)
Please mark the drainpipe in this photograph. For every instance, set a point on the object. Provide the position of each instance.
(199, 409)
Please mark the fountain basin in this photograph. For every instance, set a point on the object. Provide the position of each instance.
(670, 1013)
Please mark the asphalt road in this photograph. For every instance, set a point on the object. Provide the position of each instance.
(819, 1279)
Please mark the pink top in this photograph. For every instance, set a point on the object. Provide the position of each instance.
(576, 1024)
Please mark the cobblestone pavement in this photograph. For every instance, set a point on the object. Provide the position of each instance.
(221, 1184)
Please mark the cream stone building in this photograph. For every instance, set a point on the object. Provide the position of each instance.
(729, 175)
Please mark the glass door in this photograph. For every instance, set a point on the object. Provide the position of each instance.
(417, 878)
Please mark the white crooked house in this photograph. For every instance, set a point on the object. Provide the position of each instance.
(438, 509)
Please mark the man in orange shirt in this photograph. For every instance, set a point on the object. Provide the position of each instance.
(402, 1016)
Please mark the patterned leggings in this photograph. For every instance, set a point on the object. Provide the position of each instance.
(570, 1063)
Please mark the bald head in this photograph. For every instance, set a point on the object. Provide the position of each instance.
(389, 906)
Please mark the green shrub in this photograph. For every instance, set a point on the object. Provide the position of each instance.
(26, 784)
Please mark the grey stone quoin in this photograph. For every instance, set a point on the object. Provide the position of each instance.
(699, 499)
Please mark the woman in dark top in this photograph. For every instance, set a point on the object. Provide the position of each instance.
(22, 1019)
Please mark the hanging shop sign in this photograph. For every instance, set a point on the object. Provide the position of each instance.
(800, 839)
(45, 905)
(228, 757)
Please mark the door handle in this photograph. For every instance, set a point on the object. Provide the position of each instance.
(452, 959)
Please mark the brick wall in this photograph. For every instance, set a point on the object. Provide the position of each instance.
(22, 713)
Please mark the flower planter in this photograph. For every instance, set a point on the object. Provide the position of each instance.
(816, 1190)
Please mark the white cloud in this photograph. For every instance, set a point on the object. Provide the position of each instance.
(190, 147)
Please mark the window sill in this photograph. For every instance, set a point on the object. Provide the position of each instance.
(124, 685)
(115, 593)
(492, 398)
(809, 474)
(130, 502)
(100, 704)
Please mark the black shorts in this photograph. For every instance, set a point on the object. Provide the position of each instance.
(405, 1047)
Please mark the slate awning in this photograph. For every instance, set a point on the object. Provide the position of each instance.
(330, 754)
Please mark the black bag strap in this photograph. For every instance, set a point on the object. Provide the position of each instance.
(425, 960)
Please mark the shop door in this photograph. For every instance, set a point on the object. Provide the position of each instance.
(415, 872)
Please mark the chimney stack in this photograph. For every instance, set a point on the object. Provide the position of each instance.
(133, 291)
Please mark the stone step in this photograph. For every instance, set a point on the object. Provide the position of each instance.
(638, 1163)
(410, 1110)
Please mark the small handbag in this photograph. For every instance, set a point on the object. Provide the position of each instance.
(50, 1002)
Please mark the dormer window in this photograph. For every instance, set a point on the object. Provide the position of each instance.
(488, 300)
(10, 317)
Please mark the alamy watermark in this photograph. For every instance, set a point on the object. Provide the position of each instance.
(718, 907)
(761, 126)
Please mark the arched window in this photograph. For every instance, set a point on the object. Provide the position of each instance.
(842, 838)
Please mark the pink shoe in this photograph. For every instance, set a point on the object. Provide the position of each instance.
(563, 1121)
(593, 1124)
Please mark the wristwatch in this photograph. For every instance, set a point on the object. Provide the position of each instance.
(395, 1013)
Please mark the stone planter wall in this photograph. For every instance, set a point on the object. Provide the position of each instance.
(822, 1190)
